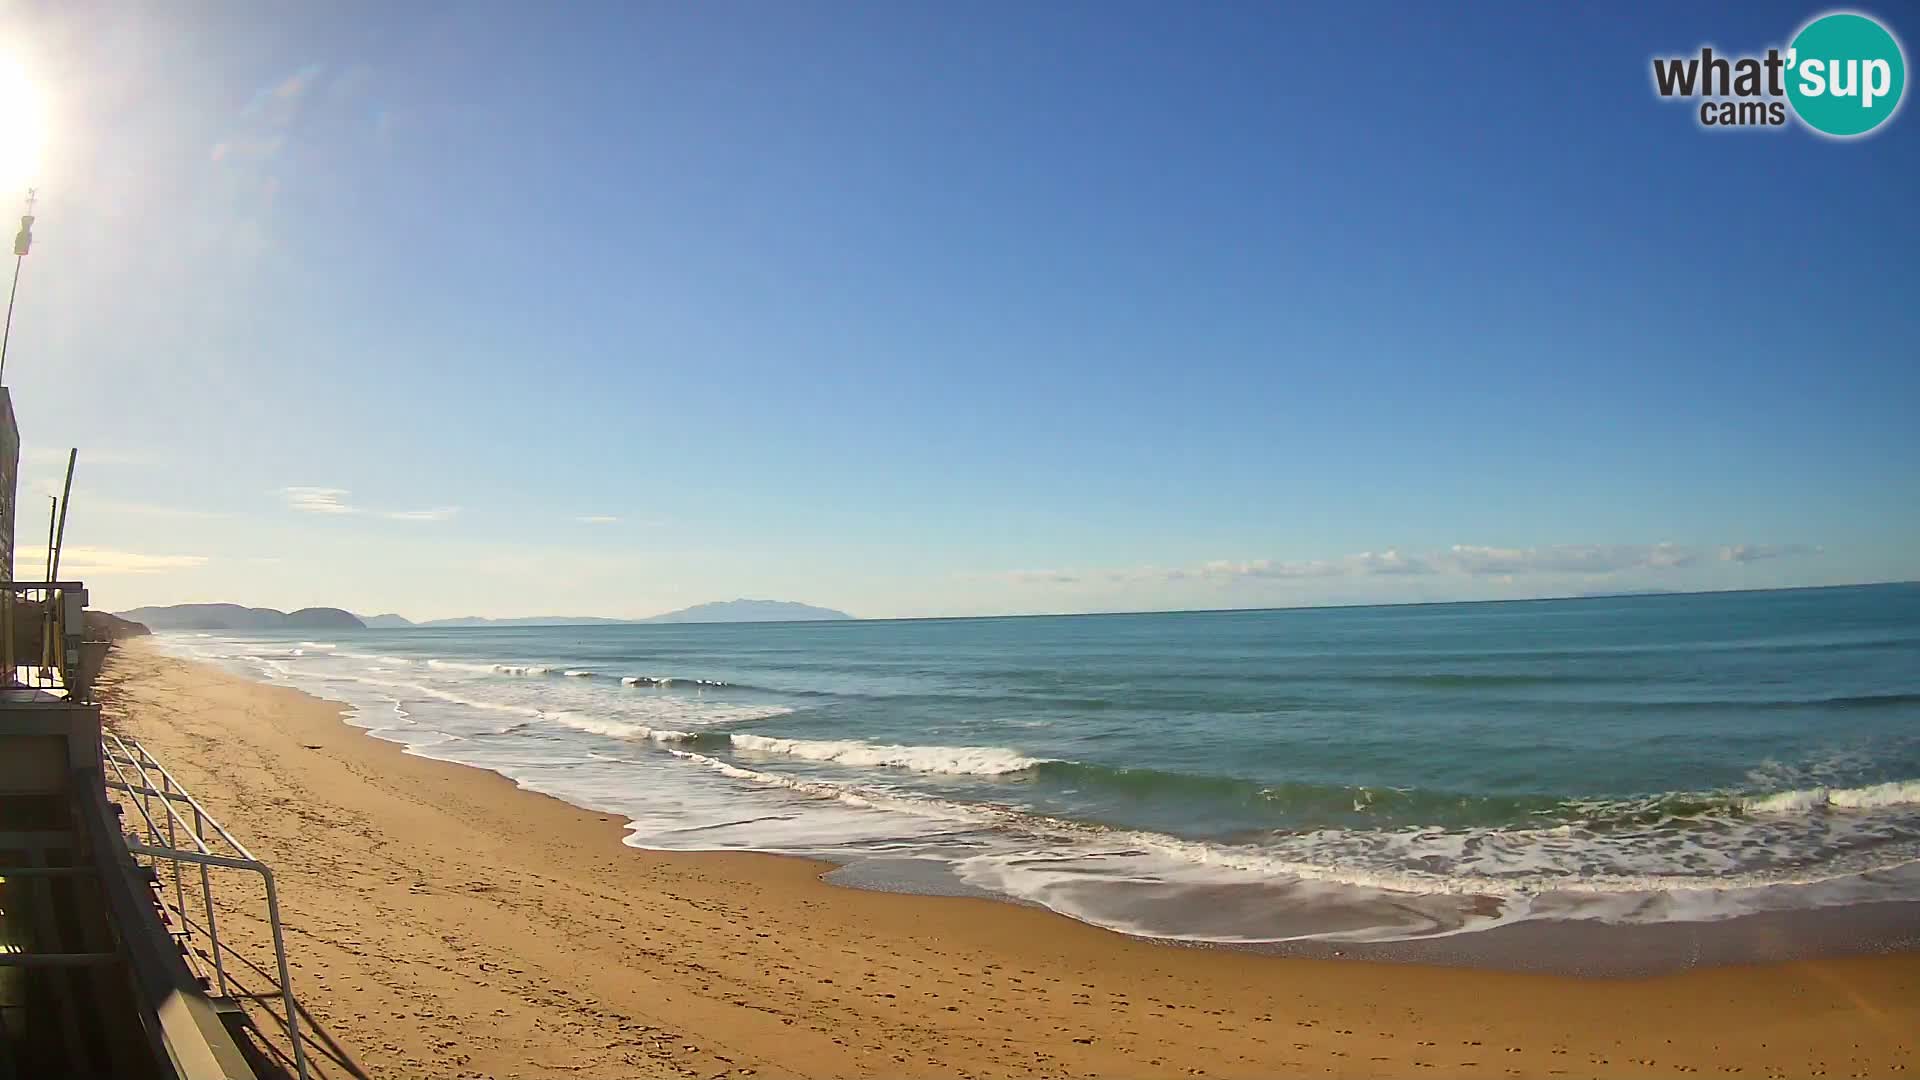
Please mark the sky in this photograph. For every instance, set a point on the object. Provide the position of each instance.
(919, 309)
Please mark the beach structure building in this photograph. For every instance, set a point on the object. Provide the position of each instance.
(110, 961)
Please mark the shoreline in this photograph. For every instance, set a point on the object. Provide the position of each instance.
(1569, 941)
(441, 926)
(1576, 947)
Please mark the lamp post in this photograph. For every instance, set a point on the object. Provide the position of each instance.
(22, 241)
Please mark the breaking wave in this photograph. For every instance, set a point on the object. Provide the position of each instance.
(1488, 863)
(952, 760)
(1870, 797)
(619, 729)
(668, 680)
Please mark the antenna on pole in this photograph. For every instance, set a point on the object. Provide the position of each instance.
(22, 242)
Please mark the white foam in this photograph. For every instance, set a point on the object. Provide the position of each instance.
(619, 729)
(1512, 866)
(458, 665)
(578, 674)
(665, 680)
(1871, 797)
(953, 760)
(378, 658)
(490, 669)
(842, 793)
(1892, 793)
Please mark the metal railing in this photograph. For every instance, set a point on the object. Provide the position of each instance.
(194, 848)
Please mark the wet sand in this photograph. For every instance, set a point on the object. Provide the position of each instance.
(444, 923)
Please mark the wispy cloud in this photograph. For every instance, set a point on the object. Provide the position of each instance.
(597, 519)
(1746, 553)
(81, 562)
(1565, 559)
(332, 500)
(438, 513)
(1471, 560)
(318, 500)
(1265, 568)
(1040, 577)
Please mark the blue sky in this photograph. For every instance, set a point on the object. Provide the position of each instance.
(917, 309)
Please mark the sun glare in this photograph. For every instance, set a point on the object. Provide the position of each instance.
(22, 128)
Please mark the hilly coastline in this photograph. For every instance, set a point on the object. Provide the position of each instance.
(236, 617)
(741, 610)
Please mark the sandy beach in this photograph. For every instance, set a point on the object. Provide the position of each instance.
(444, 923)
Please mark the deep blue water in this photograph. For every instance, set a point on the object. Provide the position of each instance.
(1223, 775)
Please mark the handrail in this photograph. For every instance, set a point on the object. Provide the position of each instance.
(194, 833)
(181, 790)
(167, 804)
(121, 755)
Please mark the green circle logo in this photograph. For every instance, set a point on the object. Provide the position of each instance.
(1845, 74)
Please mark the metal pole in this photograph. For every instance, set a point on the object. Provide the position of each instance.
(66, 496)
(179, 887)
(286, 982)
(56, 652)
(21, 243)
(46, 617)
(8, 335)
(206, 896)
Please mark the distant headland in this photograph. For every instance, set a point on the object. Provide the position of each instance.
(236, 617)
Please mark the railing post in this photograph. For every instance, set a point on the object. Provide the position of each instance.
(6, 649)
(286, 981)
(213, 928)
(179, 888)
(146, 811)
(169, 791)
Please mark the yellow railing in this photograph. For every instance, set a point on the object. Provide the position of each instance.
(42, 627)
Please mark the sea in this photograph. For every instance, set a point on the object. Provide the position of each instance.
(1334, 774)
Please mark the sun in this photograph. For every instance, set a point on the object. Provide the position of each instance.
(23, 129)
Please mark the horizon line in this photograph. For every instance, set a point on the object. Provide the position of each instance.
(526, 620)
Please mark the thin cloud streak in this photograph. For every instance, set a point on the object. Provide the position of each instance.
(318, 500)
(1746, 553)
(1460, 560)
(334, 501)
(81, 562)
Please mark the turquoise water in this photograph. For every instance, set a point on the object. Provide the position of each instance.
(1360, 773)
